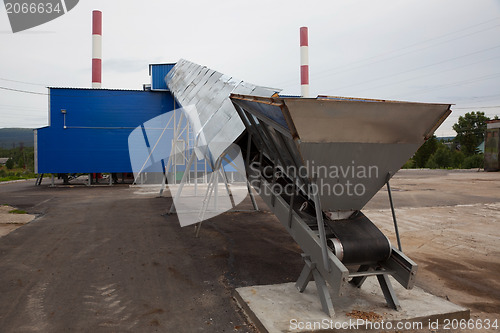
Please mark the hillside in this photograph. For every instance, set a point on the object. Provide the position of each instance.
(13, 137)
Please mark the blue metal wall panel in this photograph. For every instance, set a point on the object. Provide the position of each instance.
(98, 123)
(158, 73)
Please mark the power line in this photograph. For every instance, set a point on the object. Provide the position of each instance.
(31, 83)
(123, 92)
(314, 73)
(396, 56)
(421, 67)
(479, 107)
(24, 91)
(477, 79)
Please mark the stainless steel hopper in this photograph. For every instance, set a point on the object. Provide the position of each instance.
(349, 145)
(317, 162)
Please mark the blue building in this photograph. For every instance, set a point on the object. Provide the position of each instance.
(89, 128)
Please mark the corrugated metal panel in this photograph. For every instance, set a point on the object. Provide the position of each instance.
(98, 123)
(219, 124)
(158, 72)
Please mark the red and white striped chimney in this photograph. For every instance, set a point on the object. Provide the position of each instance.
(96, 48)
(304, 62)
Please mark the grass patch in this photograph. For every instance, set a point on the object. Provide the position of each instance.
(17, 211)
(15, 174)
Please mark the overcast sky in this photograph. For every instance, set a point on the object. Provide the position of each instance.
(421, 50)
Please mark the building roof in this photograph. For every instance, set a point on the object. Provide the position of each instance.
(495, 123)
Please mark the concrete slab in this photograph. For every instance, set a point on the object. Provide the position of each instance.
(281, 308)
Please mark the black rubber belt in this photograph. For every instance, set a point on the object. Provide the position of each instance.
(362, 241)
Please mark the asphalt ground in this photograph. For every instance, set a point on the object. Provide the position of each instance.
(108, 258)
(105, 259)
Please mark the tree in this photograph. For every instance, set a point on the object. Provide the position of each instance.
(470, 130)
(9, 164)
(425, 151)
(442, 158)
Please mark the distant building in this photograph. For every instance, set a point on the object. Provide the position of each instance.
(89, 128)
(492, 146)
(4, 160)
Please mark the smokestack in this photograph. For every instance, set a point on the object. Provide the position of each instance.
(304, 62)
(96, 48)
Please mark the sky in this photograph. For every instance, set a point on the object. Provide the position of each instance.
(443, 51)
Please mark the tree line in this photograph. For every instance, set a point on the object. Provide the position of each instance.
(459, 153)
(19, 158)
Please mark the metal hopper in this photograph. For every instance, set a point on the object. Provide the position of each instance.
(349, 145)
(316, 162)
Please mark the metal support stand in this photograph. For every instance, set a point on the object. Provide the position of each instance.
(292, 199)
(389, 294)
(393, 212)
(254, 203)
(321, 225)
(163, 184)
(181, 185)
(39, 179)
(308, 273)
(212, 187)
(228, 190)
(52, 181)
(383, 279)
(90, 179)
(359, 280)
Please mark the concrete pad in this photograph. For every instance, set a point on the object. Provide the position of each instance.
(281, 308)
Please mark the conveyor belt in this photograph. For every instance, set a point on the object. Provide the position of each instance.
(361, 241)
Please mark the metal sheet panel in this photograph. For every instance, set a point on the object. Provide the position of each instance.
(350, 174)
(209, 91)
(348, 146)
(158, 73)
(98, 124)
(360, 121)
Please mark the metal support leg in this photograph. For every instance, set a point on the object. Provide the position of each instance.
(181, 185)
(321, 225)
(359, 280)
(308, 273)
(39, 179)
(393, 212)
(52, 181)
(292, 199)
(90, 179)
(229, 193)
(254, 203)
(211, 188)
(273, 198)
(163, 184)
(389, 294)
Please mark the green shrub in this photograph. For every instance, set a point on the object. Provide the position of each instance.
(457, 159)
(473, 161)
(410, 164)
(442, 158)
(9, 164)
